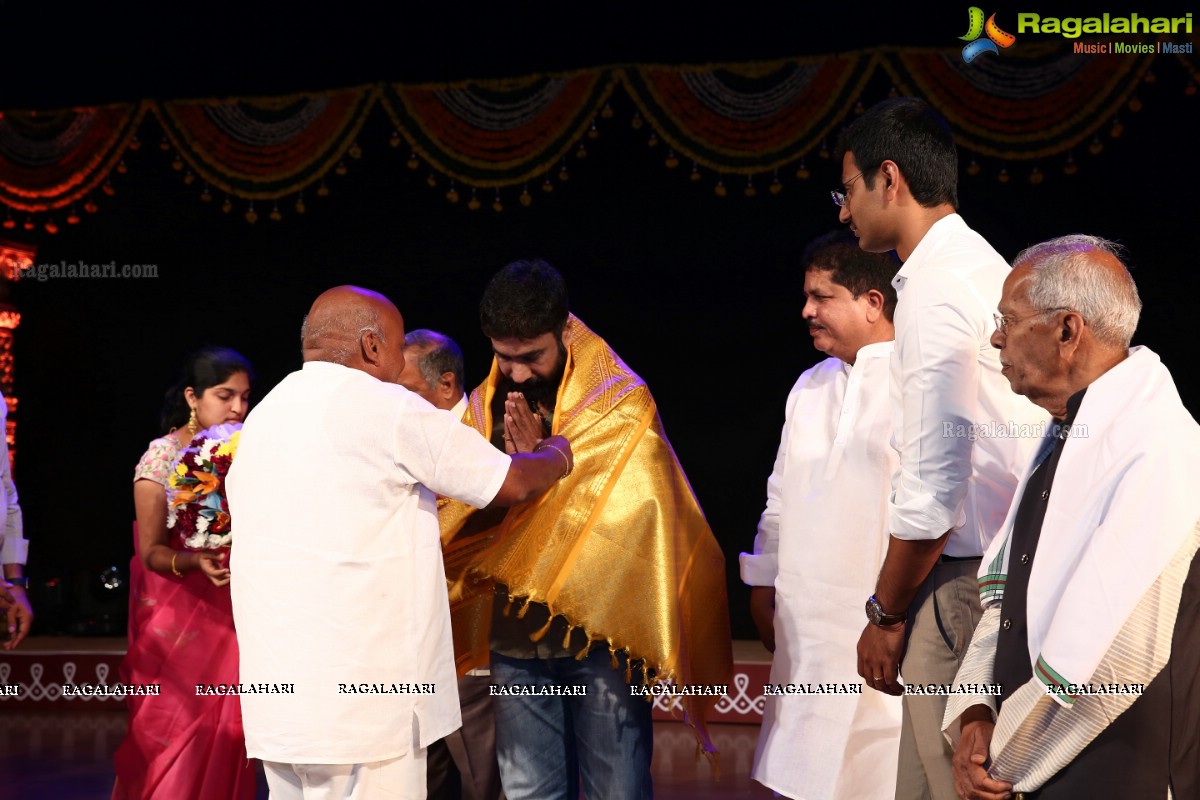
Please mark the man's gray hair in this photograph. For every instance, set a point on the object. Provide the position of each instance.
(338, 336)
(439, 354)
(1065, 275)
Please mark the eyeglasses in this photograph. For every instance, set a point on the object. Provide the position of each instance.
(839, 198)
(1004, 322)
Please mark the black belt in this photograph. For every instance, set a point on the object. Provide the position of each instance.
(955, 559)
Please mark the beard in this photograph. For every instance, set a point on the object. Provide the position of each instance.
(538, 391)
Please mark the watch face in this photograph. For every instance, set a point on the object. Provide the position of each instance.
(874, 612)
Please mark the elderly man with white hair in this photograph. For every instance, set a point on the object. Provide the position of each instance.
(1091, 592)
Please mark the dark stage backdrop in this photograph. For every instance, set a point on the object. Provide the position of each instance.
(699, 294)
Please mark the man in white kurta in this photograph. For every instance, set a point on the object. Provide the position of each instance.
(822, 538)
(339, 595)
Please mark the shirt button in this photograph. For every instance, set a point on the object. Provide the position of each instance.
(1046, 494)
(1025, 558)
(1006, 624)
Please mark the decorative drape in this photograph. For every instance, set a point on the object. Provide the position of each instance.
(50, 159)
(749, 118)
(498, 133)
(265, 148)
(1038, 100)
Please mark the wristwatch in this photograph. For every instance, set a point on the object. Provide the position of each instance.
(877, 616)
(22, 582)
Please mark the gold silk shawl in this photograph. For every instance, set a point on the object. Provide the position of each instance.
(619, 547)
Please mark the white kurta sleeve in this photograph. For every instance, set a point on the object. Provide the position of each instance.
(446, 456)
(14, 547)
(761, 567)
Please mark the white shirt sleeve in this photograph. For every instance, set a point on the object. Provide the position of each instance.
(14, 548)
(446, 456)
(936, 367)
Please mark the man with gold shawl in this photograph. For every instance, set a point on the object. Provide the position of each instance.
(611, 582)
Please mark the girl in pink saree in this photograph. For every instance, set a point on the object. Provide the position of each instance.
(187, 741)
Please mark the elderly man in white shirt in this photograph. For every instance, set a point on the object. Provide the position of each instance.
(963, 437)
(822, 539)
(339, 595)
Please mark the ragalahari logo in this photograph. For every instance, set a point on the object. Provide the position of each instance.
(975, 28)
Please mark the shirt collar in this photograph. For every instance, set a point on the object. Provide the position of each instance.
(943, 228)
(866, 353)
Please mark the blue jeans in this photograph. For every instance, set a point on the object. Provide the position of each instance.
(546, 745)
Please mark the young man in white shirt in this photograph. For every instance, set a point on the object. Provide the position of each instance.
(956, 424)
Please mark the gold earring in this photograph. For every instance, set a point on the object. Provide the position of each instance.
(193, 426)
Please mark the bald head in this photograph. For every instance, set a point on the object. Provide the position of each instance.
(356, 328)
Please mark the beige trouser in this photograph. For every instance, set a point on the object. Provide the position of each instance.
(400, 778)
(942, 619)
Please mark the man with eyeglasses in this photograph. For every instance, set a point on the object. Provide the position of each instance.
(1092, 589)
(953, 486)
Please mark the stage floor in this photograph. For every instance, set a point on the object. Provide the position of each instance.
(67, 755)
(53, 749)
